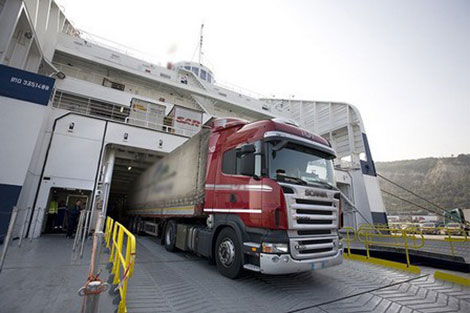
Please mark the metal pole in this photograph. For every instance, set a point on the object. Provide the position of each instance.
(105, 205)
(6, 242)
(78, 232)
(99, 236)
(23, 228)
(85, 232)
(92, 292)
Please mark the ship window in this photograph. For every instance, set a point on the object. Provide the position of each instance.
(195, 70)
(203, 74)
(114, 85)
(209, 78)
(187, 67)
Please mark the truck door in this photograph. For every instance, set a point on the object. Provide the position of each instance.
(236, 193)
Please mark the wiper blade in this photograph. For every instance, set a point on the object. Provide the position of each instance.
(298, 180)
(328, 185)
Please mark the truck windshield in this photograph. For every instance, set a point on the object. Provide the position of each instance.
(297, 164)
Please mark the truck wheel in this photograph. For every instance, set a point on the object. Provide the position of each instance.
(228, 253)
(169, 237)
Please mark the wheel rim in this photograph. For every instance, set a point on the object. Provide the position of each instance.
(226, 252)
(168, 236)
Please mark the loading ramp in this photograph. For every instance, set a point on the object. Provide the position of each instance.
(44, 276)
(183, 282)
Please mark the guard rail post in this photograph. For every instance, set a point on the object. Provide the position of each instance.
(405, 242)
(117, 257)
(367, 244)
(348, 240)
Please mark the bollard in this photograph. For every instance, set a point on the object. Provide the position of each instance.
(6, 242)
(91, 291)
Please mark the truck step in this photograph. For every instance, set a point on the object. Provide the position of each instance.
(252, 267)
(252, 244)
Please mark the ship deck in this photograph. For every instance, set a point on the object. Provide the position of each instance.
(44, 276)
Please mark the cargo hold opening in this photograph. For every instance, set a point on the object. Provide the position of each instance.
(129, 163)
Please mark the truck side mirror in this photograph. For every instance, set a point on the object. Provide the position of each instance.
(247, 160)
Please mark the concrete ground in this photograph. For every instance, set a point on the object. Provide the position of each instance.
(45, 275)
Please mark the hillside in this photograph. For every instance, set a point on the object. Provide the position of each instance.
(444, 181)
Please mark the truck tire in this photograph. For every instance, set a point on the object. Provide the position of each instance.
(228, 256)
(169, 236)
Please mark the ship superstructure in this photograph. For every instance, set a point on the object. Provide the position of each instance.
(112, 114)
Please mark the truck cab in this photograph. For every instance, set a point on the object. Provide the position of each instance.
(272, 184)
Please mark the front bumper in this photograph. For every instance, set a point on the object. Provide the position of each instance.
(284, 264)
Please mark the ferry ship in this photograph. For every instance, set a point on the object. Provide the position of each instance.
(75, 106)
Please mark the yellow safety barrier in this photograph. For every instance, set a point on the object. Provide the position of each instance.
(348, 238)
(115, 235)
(449, 231)
(108, 231)
(408, 236)
(352, 235)
(456, 279)
(369, 235)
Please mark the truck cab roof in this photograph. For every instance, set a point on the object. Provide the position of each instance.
(244, 131)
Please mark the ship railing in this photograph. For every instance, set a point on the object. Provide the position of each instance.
(114, 46)
(405, 238)
(130, 87)
(122, 245)
(239, 90)
(162, 127)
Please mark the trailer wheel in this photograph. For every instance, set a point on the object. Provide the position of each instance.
(228, 253)
(169, 237)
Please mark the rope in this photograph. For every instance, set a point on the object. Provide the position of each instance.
(418, 196)
(126, 273)
(86, 292)
(412, 203)
(354, 209)
(414, 194)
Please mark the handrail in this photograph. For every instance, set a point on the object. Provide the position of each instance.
(115, 234)
(348, 239)
(367, 235)
(450, 239)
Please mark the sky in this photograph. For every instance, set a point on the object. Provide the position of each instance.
(404, 64)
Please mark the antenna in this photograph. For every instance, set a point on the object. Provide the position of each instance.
(200, 44)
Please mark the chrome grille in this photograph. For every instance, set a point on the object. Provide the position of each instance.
(312, 224)
(314, 247)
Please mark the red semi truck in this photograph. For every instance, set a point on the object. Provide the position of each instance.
(259, 196)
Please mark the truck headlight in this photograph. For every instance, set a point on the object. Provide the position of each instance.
(267, 247)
